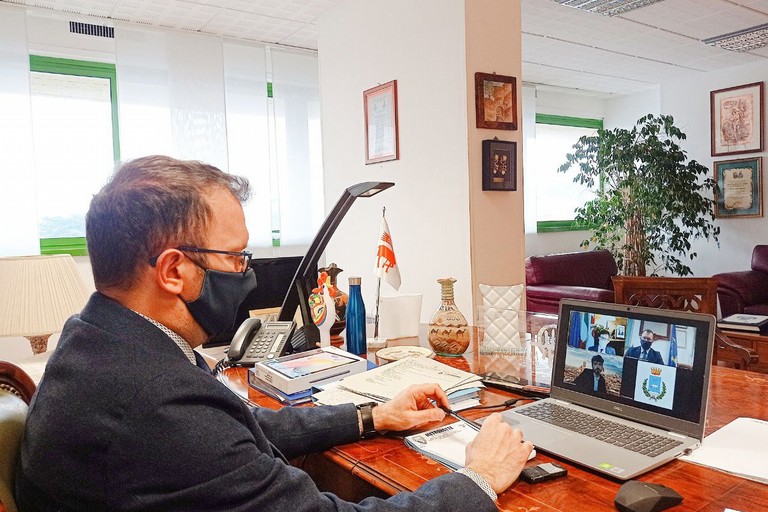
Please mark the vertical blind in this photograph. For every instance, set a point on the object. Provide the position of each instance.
(18, 207)
(188, 96)
(197, 97)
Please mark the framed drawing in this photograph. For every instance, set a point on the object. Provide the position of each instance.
(496, 101)
(381, 138)
(739, 188)
(499, 165)
(736, 118)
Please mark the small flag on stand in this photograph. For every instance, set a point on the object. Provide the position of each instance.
(672, 358)
(386, 265)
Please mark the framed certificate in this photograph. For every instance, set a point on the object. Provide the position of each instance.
(740, 189)
(381, 137)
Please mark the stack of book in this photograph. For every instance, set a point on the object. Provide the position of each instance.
(289, 379)
(298, 398)
(757, 324)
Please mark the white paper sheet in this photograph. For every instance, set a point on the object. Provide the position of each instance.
(386, 381)
(740, 448)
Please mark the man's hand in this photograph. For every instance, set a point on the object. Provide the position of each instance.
(411, 408)
(498, 453)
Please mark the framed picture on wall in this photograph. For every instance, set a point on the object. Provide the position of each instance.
(496, 101)
(739, 188)
(381, 137)
(499, 165)
(736, 118)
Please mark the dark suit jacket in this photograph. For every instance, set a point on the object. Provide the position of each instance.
(653, 355)
(122, 421)
(585, 382)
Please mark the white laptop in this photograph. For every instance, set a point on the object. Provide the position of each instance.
(629, 388)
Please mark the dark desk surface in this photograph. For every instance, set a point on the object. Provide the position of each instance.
(388, 465)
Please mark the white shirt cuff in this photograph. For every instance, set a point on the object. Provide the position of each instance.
(480, 481)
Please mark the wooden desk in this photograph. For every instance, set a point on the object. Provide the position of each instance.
(385, 466)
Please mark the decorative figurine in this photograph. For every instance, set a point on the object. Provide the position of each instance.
(323, 308)
(341, 299)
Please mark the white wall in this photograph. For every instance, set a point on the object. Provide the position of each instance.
(428, 208)
(688, 102)
(624, 111)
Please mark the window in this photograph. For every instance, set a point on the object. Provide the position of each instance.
(74, 129)
(557, 195)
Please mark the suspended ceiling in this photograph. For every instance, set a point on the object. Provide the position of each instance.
(563, 47)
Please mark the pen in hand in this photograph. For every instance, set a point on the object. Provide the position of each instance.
(449, 412)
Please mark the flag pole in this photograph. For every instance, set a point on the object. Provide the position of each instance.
(378, 294)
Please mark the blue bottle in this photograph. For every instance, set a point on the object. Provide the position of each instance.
(356, 342)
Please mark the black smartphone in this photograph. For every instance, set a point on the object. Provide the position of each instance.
(543, 472)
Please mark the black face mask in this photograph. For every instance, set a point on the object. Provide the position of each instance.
(215, 309)
(646, 344)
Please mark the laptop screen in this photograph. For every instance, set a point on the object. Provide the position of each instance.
(645, 364)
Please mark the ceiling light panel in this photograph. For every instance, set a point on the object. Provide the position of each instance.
(607, 7)
(742, 40)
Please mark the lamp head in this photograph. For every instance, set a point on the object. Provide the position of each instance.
(369, 188)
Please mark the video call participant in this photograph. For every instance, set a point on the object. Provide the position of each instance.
(644, 352)
(592, 381)
(601, 345)
(128, 416)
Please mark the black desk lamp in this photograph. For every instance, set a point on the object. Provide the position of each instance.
(306, 275)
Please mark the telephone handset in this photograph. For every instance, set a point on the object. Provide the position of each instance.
(257, 341)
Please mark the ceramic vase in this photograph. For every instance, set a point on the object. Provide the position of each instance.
(448, 329)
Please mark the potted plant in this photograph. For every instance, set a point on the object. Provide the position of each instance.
(649, 203)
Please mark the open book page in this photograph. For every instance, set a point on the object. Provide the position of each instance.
(386, 381)
(447, 445)
(738, 448)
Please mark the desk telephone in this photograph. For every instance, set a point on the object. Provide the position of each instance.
(257, 341)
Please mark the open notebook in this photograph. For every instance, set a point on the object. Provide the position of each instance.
(618, 404)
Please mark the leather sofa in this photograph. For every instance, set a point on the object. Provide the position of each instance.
(574, 275)
(745, 291)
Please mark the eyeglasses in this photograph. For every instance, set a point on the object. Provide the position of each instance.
(646, 339)
(242, 259)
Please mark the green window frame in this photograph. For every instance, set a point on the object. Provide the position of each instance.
(555, 226)
(76, 246)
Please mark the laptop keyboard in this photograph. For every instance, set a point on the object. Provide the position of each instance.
(612, 432)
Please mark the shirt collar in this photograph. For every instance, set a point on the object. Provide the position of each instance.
(178, 340)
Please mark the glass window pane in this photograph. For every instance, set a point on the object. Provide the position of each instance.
(72, 133)
(557, 196)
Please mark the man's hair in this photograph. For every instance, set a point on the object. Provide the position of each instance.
(151, 204)
(653, 334)
(597, 359)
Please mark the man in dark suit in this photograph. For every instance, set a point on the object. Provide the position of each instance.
(592, 381)
(644, 352)
(128, 416)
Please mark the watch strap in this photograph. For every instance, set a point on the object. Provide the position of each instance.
(366, 419)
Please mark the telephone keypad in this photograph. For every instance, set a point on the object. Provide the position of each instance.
(268, 342)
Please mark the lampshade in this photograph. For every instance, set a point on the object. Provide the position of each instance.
(37, 295)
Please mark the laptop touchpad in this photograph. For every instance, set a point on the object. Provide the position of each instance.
(537, 433)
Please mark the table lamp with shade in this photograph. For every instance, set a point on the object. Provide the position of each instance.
(37, 296)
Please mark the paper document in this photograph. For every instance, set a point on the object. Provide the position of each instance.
(446, 445)
(738, 448)
(386, 381)
(333, 394)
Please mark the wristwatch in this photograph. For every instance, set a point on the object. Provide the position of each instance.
(366, 418)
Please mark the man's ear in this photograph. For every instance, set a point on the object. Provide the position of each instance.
(170, 271)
